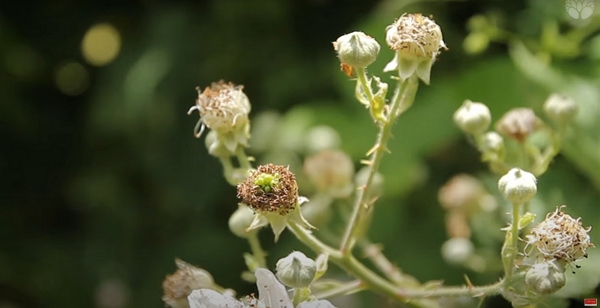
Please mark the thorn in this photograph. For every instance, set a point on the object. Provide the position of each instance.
(372, 150)
(469, 283)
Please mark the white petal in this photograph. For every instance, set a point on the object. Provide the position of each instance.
(270, 290)
(296, 216)
(393, 65)
(424, 70)
(206, 298)
(259, 221)
(278, 224)
(316, 304)
(229, 141)
(406, 68)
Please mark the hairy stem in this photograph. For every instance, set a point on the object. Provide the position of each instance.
(414, 297)
(511, 252)
(400, 99)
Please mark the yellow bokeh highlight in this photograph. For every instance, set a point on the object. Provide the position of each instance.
(101, 44)
(71, 78)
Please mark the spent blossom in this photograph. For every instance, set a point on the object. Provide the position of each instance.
(271, 191)
(417, 41)
(560, 237)
(224, 108)
(180, 284)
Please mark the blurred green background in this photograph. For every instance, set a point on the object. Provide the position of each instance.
(104, 184)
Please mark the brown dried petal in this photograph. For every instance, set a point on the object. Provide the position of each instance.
(282, 198)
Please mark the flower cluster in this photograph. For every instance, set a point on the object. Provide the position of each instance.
(560, 237)
(271, 294)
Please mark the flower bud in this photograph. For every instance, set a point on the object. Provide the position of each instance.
(473, 118)
(518, 124)
(518, 186)
(296, 270)
(476, 43)
(356, 49)
(417, 41)
(331, 172)
(546, 277)
(457, 250)
(461, 191)
(560, 108)
(493, 142)
(241, 220)
(180, 284)
(321, 138)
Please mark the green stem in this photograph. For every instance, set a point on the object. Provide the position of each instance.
(399, 100)
(514, 241)
(375, 107)
(381, 262)
(344, 289)
(410, 296)
(455, 291)
(361, 74)
(228, 170)
(243, 158)
(549, 154)
(257, 251)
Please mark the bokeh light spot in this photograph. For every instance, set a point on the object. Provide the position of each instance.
(72, 78)
(101, 44)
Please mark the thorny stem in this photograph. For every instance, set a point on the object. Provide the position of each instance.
(403, 97)
(399, 100)
(379, 285)
(392, 272)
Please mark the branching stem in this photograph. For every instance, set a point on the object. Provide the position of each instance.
(399, 100)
